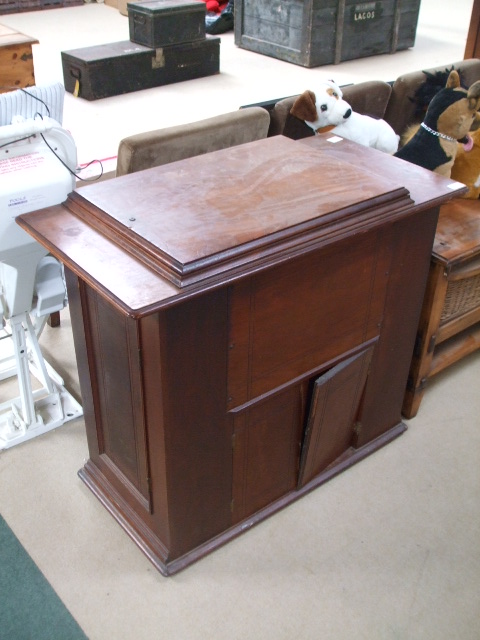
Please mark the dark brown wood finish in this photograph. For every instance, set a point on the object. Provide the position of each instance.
(273, 207)
(408, 252)
(336, 401)
(236, 352)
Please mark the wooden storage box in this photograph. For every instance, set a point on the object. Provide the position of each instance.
(321, 32)
(122, 67)
(16, 60)
(165, 22)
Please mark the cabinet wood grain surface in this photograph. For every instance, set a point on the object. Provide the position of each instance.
(238, 347)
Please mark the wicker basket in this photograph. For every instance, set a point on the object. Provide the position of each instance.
(462, 296)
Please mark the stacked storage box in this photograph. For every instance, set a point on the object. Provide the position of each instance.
(167, 44)
(320, 32)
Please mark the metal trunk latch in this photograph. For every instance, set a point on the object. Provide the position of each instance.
(159, 60)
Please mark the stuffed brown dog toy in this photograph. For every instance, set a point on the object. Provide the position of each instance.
(451, 114)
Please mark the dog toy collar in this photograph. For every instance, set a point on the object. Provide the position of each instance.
(325, 129)
(437, 133)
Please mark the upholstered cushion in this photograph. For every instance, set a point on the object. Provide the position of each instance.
(154, 148)
(401, 108)
(282, 123)
(368, 98)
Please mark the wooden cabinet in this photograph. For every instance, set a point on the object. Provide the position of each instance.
(239, 346)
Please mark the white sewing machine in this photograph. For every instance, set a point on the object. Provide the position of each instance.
(36, 154)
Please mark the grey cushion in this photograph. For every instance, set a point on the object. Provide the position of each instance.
(154, 148)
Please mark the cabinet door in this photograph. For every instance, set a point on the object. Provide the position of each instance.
(335, 404)
(266, 451)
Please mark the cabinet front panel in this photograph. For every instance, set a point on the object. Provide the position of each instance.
(304, 314)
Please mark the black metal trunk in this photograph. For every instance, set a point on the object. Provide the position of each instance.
(160, 23)
(122, 67)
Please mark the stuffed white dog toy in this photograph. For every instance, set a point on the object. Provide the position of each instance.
(327, 111)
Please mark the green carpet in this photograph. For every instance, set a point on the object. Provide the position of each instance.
(29, 607)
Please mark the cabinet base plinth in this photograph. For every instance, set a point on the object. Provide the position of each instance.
(156, 551)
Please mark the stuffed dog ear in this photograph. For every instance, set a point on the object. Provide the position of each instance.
(304, 107)
(453, 80)
(473, 96)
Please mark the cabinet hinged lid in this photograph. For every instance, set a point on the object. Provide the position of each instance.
(238, 209)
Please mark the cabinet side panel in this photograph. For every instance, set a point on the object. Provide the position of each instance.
(198, 444)
(117, 442)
